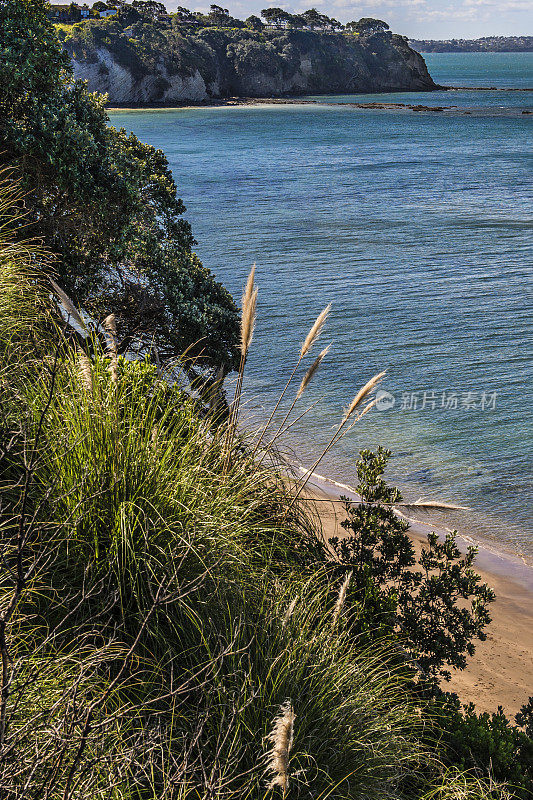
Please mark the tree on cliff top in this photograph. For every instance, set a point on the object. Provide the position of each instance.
(368, 25)
(103, 202)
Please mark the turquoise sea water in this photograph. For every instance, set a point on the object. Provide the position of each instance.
(417, 227)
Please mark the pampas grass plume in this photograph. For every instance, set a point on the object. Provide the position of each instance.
(311, 371)
(85, 372)
(248, 322)
(281, 740)
(341, 597)
(315, 331)
(249, 303)
(362, 393)
(110, 324)
(68, 305)
(288, 613)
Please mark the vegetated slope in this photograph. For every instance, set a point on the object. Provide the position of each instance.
(165, 603)
(146, 63)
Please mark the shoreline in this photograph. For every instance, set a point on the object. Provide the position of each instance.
(500, 562)
(500, 673)
(376, 105)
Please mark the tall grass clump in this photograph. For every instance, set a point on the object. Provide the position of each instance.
(170, 623)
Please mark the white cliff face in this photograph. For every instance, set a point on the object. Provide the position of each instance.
(181, 89)
(107, 77)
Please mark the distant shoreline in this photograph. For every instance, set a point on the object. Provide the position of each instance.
(265, 101)
(483, 44)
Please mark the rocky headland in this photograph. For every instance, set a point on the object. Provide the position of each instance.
(142, 65)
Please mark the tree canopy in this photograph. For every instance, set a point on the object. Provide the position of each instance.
(368, 25)
(308, 19)
(103, 202)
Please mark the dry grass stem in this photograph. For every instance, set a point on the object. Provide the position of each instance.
(342, 597)
(315, 331)
(311, 337)
(68, 305)
(288, 613)
(278, 756)
(341, 430)
(310, 372)
(362, 393)
(297, 419)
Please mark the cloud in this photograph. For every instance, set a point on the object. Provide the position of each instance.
(466, 10)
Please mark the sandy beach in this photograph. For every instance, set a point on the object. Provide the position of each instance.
(501, 671)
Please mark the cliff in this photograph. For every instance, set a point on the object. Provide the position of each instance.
(142, 64)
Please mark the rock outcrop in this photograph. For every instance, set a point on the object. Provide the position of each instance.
(219, 63)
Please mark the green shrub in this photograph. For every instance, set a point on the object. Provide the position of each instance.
(424, 607)
(486, 743)
(101, 200)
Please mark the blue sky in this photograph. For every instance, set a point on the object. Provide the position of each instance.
(427, 19)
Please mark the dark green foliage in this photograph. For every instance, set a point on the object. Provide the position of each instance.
(524, 718)
(149, 8)
(30, 59)
(102, 201)
(254, 23)
(486, 743)
(436, 610)
(368, 25)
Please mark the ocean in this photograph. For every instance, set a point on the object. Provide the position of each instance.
(416, 226)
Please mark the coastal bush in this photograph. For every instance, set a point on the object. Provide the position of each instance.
(486, 743)
(169, 624)
(104, 202)
(437, 610)
(524, 718)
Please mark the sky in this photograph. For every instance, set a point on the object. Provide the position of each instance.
(418, 19)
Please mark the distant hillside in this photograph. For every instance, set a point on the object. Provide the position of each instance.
(144, 61)
(488, 44)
